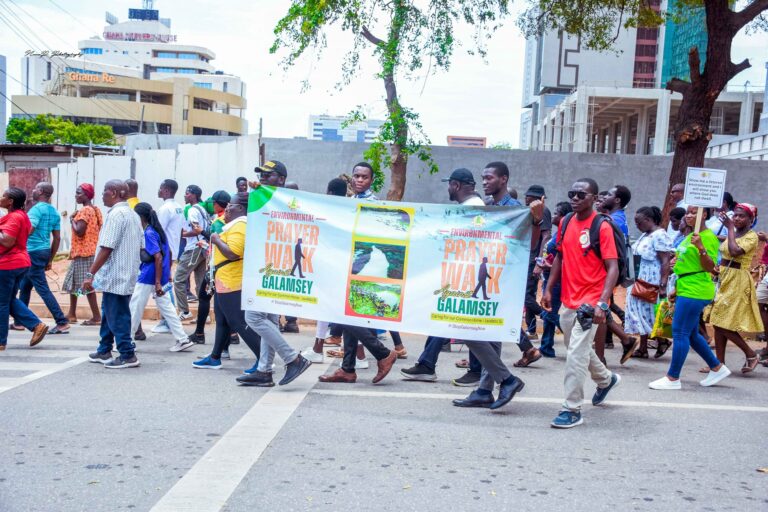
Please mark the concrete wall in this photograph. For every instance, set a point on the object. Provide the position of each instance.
(312, 164)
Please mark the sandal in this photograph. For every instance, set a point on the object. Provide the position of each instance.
(90, 323)
(57, 330)
(640, 354)
(333, 340)
(15, 327)
(462, 363)
(629, 349)
(338, 354)
(661, 348)
(529, 356)
(750, 366)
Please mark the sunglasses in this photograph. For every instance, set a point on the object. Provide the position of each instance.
(265, 175)
(580, 194)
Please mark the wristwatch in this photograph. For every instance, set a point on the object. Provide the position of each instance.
(602, 305)
(88, 275)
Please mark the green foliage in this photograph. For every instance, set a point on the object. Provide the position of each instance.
(46, 129)
(413, 34)
(501, 145)
(415, 142)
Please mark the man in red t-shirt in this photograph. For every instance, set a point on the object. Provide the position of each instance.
(587, 282)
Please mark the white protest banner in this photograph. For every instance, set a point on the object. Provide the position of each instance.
(443, 270)
(704, 187)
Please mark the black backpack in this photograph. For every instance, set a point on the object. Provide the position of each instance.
(623, 247)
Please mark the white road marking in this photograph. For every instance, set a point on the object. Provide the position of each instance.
(211, 481)
(26, 366)
(10, 383)
(40, 352)
(558, 401)
(56, 340)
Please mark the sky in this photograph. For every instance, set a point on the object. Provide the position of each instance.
(475, 97)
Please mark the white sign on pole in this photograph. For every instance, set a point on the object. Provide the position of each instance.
(705, 187)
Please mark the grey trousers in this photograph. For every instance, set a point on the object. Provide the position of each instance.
(192, 261)
(267, 326)
(489, 355)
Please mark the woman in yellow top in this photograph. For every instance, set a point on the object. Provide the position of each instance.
(736, 309)
(228, 250)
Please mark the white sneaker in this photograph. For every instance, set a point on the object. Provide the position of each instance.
(161, 328)
(225, 354)
(713, 377)
(312, 356)
(362, 364)
(185, 316)
(182, 345)
(665, 384)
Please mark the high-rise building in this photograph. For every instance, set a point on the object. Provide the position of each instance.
(135, 76)
(680, 37)
(615, 101)
(337, 128)
(3, 98)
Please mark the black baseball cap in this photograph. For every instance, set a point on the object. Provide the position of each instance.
(273, 166)
(536, 191)
(462, 176)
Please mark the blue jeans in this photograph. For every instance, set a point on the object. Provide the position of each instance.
(10, 305)
(431, 352)
(685, 335)
(116, 325)
(35, 277)
(551, 322)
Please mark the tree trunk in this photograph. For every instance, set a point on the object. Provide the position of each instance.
(397, 178)
(692, 132)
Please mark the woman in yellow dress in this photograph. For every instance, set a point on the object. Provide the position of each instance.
(736, 309)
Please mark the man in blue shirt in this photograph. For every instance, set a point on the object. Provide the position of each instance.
(42, 245)
(614, 203)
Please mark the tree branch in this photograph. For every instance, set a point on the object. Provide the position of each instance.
(747, 14)
(677, 85)
(735, 69)
(370, 37)
(694, 64)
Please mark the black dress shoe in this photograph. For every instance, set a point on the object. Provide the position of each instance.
(507, 392)
(260, 379)
(475, 399)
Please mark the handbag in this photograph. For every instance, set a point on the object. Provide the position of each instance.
(645, 291)
(145, 257)
(662, 325)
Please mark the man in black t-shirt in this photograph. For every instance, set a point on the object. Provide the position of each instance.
(532, 307)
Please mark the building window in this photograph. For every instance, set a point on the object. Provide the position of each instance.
(92, 51)
(204, 85)
(186, 114)
(81, 71)
(191, 56)
(225, 86)
(125, 52)
(166, 55)
(48, 70)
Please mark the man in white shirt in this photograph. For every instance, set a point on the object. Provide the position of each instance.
(193, 258)
(171, 215)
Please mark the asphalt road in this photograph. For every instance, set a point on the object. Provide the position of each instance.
(166, 436)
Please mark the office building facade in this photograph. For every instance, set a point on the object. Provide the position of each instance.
(136, 78)
(337, 128)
